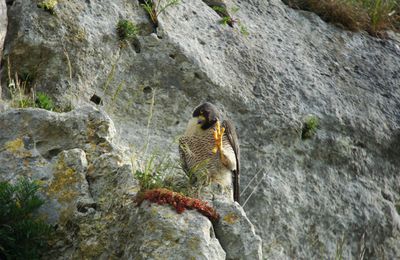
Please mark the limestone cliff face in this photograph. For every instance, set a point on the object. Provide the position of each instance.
(338, 189)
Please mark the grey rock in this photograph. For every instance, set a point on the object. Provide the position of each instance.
(164, 234)
(235, 232)
(66, 185)
(3, 31)
(3, 24)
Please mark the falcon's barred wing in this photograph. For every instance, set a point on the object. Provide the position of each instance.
(234, 141)
(182, 153)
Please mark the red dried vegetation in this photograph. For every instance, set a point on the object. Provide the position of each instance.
(350, 15)
(374, 16)
(178, 201)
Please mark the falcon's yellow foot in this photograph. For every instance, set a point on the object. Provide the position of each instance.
(218, 133)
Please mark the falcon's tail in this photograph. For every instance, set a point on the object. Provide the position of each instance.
(236, 192)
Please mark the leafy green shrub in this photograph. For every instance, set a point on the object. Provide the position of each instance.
(22, 236)
(44, 101)
(126, 30)
(309, 127)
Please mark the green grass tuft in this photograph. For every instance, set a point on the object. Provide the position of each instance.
(126, 30)
(22, 93)
(154, 172)
(154, 8)
(161, 171)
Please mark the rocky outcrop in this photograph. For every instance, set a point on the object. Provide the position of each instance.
(87, 182)
(158, 232)
(236, 233)
(335, 192)
(73, 157)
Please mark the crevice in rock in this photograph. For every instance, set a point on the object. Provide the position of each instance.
(172, 56)
(136, 45)
(89, 183)
(9, 2)
(147, 90)
(96, 99)
(212, 232)
(52, 153)
(41, 147)
(197, 75)
(83, 207)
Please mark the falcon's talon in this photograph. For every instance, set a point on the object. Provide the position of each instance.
(218, 134)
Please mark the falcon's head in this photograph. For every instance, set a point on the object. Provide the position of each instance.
(204, 117)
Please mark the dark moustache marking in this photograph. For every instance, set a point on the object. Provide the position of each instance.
(210, 112)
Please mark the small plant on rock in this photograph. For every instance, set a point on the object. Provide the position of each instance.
(22, 93)
(154, 8)
(18, 91)
(154, 172)
(226, 19)
(309, 127)
(243, 29)
(20, 99)
(44, 101)
(48, 5)
(126, 30)
(22, 235)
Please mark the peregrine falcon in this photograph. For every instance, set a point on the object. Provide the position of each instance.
(207, 140)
